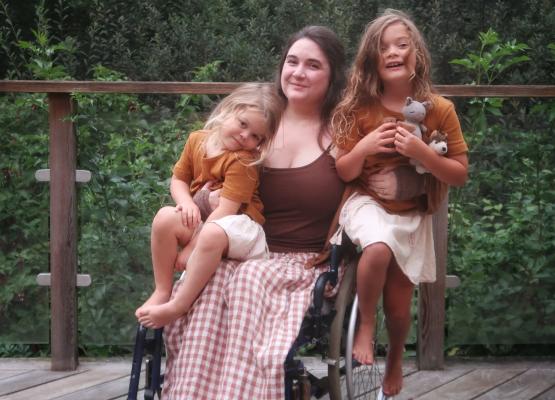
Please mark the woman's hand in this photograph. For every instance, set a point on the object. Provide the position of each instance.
(384, 183)
(190, 214)
(214, 199)
(397, 183)
(207, 200)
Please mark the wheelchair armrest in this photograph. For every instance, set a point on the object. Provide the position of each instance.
(330, 276)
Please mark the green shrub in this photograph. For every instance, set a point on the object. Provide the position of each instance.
(501, 243)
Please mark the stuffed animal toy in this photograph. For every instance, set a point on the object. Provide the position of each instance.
(414, 113)
(438, 143)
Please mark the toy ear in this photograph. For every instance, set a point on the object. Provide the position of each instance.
(427, 104)
(409, 100)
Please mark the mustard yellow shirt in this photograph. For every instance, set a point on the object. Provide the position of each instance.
(441, 116)
(230, 171)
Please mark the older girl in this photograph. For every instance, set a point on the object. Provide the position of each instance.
(392, 64)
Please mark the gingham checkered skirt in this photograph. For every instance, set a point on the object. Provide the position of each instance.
(233, 343)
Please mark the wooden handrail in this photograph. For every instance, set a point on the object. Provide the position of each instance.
(226, 87)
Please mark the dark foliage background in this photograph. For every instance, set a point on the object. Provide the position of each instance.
(166, 40)
(502, 242)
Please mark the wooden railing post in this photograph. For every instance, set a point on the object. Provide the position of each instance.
(431, 301)
(63, 233)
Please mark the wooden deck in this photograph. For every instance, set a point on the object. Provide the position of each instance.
(460, 380)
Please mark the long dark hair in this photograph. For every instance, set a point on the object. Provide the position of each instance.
(333, 49)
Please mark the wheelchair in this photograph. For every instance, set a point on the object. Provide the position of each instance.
(320, 361)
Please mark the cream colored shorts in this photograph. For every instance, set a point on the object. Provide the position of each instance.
(409, 235)
(246, 237)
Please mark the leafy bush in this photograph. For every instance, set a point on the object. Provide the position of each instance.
(24, 218)
(130, 148)
(167, 40)
(501, 237)
(501, 243)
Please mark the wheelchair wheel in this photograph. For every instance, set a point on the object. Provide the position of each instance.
(336, 349)
(363, 381)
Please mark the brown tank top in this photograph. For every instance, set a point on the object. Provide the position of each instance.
(299, 204)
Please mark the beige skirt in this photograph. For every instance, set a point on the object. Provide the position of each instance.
(409, 236)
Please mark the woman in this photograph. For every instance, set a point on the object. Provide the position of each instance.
(233, 343)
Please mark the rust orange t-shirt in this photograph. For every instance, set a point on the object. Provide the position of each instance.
(441, 116)
(230, 171)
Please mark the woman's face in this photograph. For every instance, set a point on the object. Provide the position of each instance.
(305, 75)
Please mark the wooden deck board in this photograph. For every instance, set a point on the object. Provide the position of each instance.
(460, 380)
(30, 379)
(10, 372)
(105, 390)
(525, 386)
(471, 385)
(55, 384)
(547, 395)
(140, 395)
(422, 382)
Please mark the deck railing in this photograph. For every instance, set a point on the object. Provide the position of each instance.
(63, 206)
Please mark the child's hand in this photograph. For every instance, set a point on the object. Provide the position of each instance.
(409, 145)
(380, 140)
(190, 214)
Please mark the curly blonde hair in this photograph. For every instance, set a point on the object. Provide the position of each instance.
(262, 97)
(364, 84)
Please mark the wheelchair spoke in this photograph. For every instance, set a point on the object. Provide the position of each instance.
(362, 381)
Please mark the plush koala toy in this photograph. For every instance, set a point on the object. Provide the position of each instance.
(438, 143)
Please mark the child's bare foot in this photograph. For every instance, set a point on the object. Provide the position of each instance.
(393, 378)
(156, 316)
(363, 346)
(157, 297)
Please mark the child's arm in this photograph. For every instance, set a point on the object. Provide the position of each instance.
(350, 164)
(181, 194)
(451, 170)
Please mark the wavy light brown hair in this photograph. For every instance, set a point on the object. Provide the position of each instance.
(364, 84)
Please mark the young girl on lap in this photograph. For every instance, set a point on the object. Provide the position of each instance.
(392, 64)
(234, 140)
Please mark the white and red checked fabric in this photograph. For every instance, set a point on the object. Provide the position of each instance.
(233, 343)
